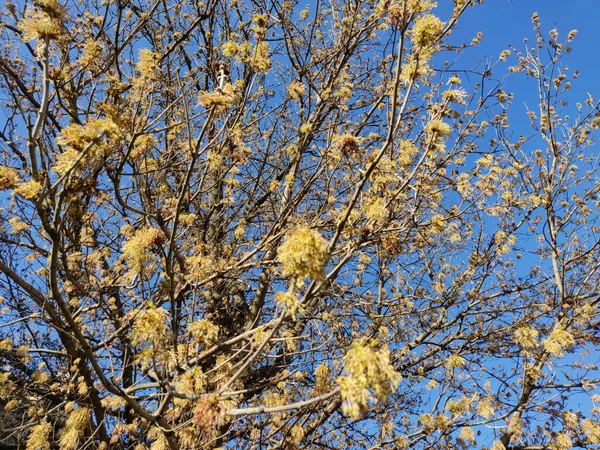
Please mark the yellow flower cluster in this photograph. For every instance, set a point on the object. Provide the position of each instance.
(289, 301)
(204, 332)
(9, 178)
(485, 408)
(92, 54)
(28, 190)
(259, 25)
(591, 430)
(43, 22)
(407, 152)
(148, 69)
(303, 254)
(192, 382)
(468, 434)
(147, 64)
(322, 380)
(395, 12)
(526, 337)
(458, 407)
(347, 143)
(136, 250)
(426, 30)
(558, 341)
(438, 128)
(77, 422)
(150, 329)
(89, 137)
(257, 58)
(370, 377)
(454, 362)
(376, 210)
(419, 6)
(296, 90)
(39, 437)
(455, 95)
(220, 99)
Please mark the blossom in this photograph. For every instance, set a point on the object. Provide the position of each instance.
(9, 178)
(77, 422)
(296, 90)
(370, 377)
(348, 143)
(28, 190)
(204, 331)
(438, 128)
(220, 98)
(485, 408)
(289, 301)
(147, 65)
(427, 30)
(136, 250)
(526, 337)
(454, 80)
(39, 437)
(455, 95)
(303, 254)
(591, 430)
(559, 340)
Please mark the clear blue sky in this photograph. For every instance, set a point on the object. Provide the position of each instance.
(505, 22)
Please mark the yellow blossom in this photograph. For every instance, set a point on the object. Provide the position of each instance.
(591, 430)
(39, 437)
(561, 442)
(455, 95)
(348, 143)
(438, 128)
(526, 337)
(289, 301)
(454, 361)
(150, 326)
(76, 424)
(28, 190)
(296, 90)
(322, 380)
(230, 49)
(9, 178)
(504, 55)
(44, 22)
(454, 80)
(468, 434)
(376, 210)
(426, 30)
(136, 251)
(147, 65)
(204, 332)
(17, 225)
(485, 408)
(558, 341)
(370, 376)
(220, 99)
(303, 254)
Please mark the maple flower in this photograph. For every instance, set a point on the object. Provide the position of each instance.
(370, 377)
(136, 250)
(9, 178)
(303, 254)
(29, 189)
(39, 437)
(427, 30)
(77, 422)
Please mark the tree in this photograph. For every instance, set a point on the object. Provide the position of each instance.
(269, 225)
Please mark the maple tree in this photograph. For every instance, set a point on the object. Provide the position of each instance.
(263, 224)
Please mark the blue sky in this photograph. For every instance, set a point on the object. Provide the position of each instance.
(507, 22)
